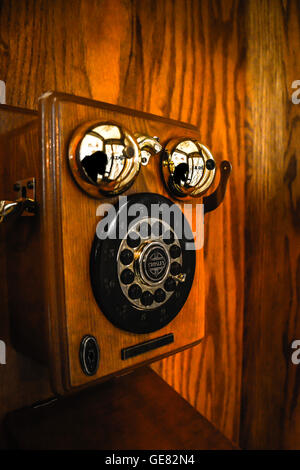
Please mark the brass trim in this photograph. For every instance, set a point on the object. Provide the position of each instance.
(149, 147)
(25, 205)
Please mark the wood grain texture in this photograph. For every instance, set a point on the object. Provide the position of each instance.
(23, 381)
(271, 383)
(75, 312)
(184, 60)
(145, 413)
(209, 375)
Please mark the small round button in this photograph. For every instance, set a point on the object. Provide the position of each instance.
(210, 164)
(175, 251)
(133, 240)
(147, 298)
(159, 295)
(175, 268)
(134, 292)
(168, 237)
(170, 284)
(126, 257)
(127, 276)
(89, 354)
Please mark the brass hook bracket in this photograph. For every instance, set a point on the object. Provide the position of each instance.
(24, 205)
(213, 201)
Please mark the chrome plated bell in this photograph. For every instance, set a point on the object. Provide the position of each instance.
(104, 158)
(188, 168)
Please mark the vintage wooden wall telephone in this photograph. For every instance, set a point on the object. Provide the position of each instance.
(92, 306)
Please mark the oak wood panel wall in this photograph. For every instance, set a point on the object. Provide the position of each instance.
(209, 375)
(181, 59)
(271, 383)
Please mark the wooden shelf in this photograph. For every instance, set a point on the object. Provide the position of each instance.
(137, 411)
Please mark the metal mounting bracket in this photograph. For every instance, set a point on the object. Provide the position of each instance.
(213, 201)
(25, 203)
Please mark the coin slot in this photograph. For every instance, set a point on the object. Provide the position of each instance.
(142, 348)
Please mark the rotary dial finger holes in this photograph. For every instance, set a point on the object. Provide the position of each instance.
(150, 263)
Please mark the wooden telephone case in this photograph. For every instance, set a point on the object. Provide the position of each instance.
(51, 301)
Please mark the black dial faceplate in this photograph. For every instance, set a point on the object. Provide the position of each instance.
(106, 285)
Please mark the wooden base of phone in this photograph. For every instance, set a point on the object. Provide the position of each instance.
(52, 306)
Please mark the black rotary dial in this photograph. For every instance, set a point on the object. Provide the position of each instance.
(142, 280)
